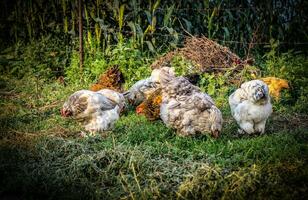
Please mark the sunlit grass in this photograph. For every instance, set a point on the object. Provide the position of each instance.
(43, 155)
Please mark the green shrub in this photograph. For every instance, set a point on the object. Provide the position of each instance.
(182, 66)
(131, 61)
(293, 67)
(46, 57)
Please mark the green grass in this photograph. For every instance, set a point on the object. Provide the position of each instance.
(43, 156)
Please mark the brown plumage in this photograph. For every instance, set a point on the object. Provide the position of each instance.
(112, 79)
(150, 107)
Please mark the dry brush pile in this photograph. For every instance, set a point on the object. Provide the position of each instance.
(207, 56)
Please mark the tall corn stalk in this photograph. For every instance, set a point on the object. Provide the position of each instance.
(211, 27)
(151, 16)
(65, 18)
(113, 20)
(80, 4)
(121, 22)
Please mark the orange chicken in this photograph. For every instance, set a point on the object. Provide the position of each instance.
(275, 85)
(112, 79)
(150, 107)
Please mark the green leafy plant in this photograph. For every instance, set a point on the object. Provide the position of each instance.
(182, 66)
(131, 61)
(292, 67)
(46, 57)
(216, 86)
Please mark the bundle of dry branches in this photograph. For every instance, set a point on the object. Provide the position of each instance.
(207, 56)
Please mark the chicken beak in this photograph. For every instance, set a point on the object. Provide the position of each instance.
(65, 113)
(62, 112)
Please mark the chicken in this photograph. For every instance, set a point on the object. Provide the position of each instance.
(144, 88)
(185, 108)
(111, 79)
(138, 92)
(97, 111)
(275, 85)
(251, 106)
(114, 96)
(150, 107)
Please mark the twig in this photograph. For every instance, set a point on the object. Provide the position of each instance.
(251, 43)
(6, 92)
(52, 105)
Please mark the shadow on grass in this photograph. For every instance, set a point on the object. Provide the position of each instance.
(29, 122)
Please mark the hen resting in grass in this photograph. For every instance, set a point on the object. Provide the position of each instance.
(185, 108)
(96, 111)
(251, 106)
(275, 85)
(112, 79)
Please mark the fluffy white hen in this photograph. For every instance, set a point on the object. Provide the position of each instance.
(97, 111)
(251, 106)
(185, 108)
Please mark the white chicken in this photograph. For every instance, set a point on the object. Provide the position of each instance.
(137, 93)
(185, 108)
(117, 97)
(97, 111)
(144, 88)
(251, 106)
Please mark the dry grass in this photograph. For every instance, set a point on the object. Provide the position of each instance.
(141, 159)
(206, 54)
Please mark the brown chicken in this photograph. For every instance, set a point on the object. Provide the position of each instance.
(112, 79)
(275, 85)
(150, 107)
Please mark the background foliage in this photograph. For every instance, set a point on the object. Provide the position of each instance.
(153, 24)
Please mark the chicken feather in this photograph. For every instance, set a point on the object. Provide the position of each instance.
(142, 89)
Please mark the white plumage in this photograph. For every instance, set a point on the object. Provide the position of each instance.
(114, 96)
(97, 111)
(137, 93)
(251, 106)
(143, 88)
(185, 108)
